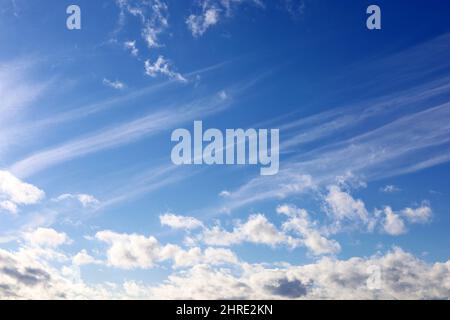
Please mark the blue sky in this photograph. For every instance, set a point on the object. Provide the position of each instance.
(91, 205)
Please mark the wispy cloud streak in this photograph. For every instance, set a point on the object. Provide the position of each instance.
(402, 132)
(118, 135)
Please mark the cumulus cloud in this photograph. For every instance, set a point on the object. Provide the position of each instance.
(257, 229)
(402, 276)
(84, 258)
(162, 66)
(18, 274)
(195, 256)
(46, 237)
(297, 230)
(14, 193)
(313, 240)
(180, 222)
(346, 210)
(86, 200)
(131, 251)
(393, 224)
(421, 214)
(24, 275)
(218, 274)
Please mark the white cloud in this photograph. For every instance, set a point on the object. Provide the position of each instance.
(18, 191)
(22, 277)
(153, 16)
(210, 13)
(390, 189)
(218, 274)
(210, 256)
(28, 274)
(8, 206)
(225, 194)
(84, 258)
(131, 46)
(257, 229)
(313, 240)
(114, 84)
(179, 222)
(202, 281)
(46, 237)
(223, 95)
(345, 209)
(86, 200)
(162, 66)
(198, 24)
(402, 277)
(150, 36)
(346, 213)
(393, 224)
(14, 192)
(131, 251)
(298, 230)
(157, 23)
(418, 215)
